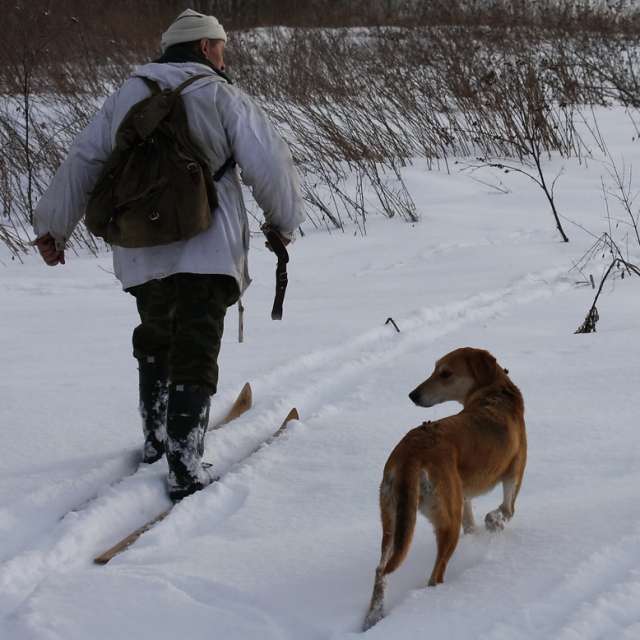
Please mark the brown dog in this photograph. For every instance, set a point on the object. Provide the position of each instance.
(438, 467)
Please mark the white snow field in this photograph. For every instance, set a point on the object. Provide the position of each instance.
(285, 545)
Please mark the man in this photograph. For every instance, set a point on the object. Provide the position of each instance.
(182, 289)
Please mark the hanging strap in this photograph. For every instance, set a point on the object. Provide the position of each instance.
(275, 242)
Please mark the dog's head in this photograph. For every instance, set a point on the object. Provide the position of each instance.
(455, 376)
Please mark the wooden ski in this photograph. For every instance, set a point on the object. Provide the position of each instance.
(242, 404)
(128, 540)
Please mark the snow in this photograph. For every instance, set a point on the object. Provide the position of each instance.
(285, 546)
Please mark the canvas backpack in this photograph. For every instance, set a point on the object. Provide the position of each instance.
(156, 186)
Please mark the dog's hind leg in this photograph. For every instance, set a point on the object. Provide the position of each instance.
(468, 521)
(399, 495)
(446, 517)
(376, 607)
(518, 473)
(387, 515)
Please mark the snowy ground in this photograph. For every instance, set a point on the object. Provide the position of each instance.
(285, 546)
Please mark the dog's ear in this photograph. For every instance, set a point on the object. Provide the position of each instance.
(483, 366)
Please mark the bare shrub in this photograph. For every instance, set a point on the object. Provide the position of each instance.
(525, 117)
(497, 80)
(623, 232)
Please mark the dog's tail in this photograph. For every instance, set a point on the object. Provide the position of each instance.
(399, 507)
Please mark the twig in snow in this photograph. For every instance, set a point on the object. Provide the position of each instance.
(392, 321)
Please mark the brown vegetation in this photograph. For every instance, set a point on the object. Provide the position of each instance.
(495, 82)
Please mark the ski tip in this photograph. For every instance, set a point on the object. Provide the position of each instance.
(242, 403)
(292, 415)
(245, 396)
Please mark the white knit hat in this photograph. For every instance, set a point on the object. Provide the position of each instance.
(191, 25)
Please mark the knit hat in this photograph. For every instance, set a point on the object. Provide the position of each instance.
(191, 25)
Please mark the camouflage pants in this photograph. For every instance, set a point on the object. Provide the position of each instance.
(182, 321)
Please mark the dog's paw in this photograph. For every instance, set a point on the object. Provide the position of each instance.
(494, 520)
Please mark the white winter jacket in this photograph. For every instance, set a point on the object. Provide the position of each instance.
(225, 122)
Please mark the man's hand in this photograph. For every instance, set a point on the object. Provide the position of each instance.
(50, 253)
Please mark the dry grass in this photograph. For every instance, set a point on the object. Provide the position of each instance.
(496, 81)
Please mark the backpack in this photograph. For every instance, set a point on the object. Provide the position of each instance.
(156, 186)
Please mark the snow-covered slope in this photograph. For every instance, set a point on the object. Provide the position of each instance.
(284, 547)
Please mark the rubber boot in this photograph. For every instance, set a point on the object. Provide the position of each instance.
(154, 391)
(187, 422)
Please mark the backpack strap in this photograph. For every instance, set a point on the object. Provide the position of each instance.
(151, 84)
(155, 87)
(190, 80)
(229, 163)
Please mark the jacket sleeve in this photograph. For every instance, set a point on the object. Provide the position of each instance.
(64, 202)
(265, 159)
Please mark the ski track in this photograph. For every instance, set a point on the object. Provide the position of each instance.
(336, 368)
(334, 372)
(54, 500)
(580, 608)
(436, 251)
(594, 597)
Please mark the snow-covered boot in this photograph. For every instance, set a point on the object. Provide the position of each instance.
(187, 422)
(154, 391)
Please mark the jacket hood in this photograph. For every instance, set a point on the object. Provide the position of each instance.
(170, 74)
